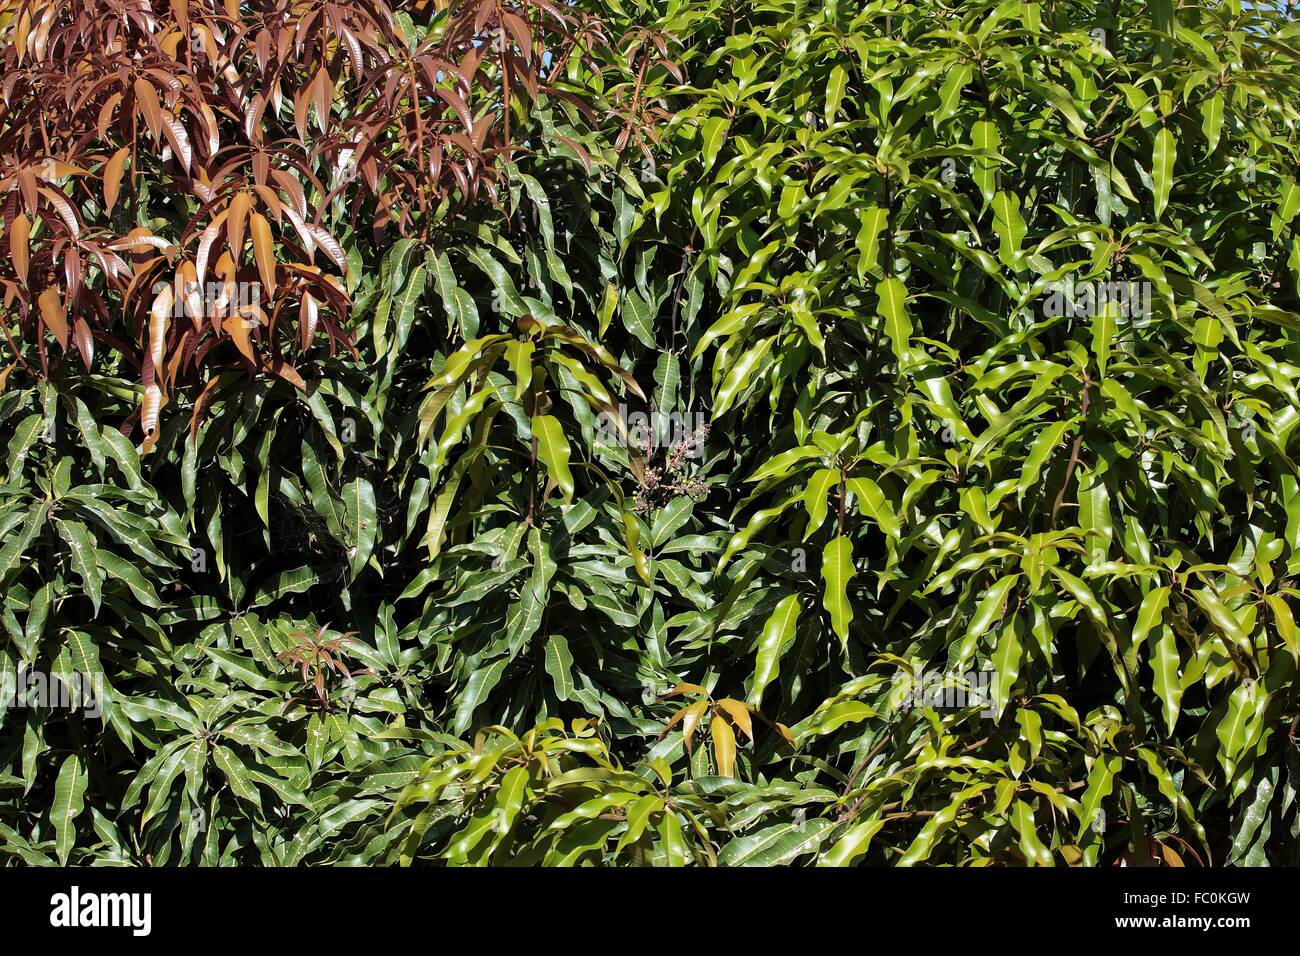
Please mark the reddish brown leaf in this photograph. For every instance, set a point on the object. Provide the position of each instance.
(236, 214)
(52, 313)
(19, 234)
(113, 170)
(146, 98)
(84, 341)
(263, 250)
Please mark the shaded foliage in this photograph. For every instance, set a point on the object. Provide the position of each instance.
(635, 407)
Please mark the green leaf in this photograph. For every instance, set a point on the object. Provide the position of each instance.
(1039, 452)
(238, 667)
(873, 503)
(24, 437)
(84, 557)
(986, 139)
(1212, 122)
(16, 545)
(837, 571)
(559, 664)
(1233, 729)
(638, 317)
(738, 378)
(405, 306)
(988, 611)
(69, 790)
(236, 773)
(553, 450)
(777, 635)
(360, 522)
(898, 324)
(1006, 665)
(1100, 781)
(1104, 328)
(1150, 614)
(1162, 167)
(1022, 818)
(835, 87)
(475, 693)
(950, 94)
(814, 498)
(505, 295)
(712, 130)
(775, 845)
(874, 220)
(1009, 226)
(923, 845)
(853, 844)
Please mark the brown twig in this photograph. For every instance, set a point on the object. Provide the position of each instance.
(1074, 453)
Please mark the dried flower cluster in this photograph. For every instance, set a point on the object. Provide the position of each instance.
(662, 483)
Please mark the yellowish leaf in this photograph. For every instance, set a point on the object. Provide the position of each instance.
(739, 714)
(113, 170)
(263, 250)
(52, 312)
(19, 235)
(724, 746)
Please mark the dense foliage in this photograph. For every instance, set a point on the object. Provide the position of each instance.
(649, 432)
